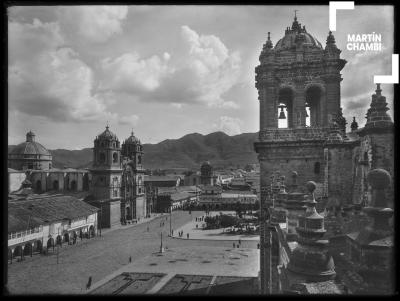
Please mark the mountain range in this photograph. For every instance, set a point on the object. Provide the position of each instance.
(189, 151)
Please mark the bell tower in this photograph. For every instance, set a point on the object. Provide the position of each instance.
(298, 81)
(133, 205)
(106, 177)
(298, 84)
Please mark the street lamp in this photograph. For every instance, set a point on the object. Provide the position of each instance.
(161, 246)
(170, 221)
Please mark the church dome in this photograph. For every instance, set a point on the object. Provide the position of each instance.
(29, 155)
(206, 163)
(297, 35)
(132, 139)
(30, 147)
(107, 134)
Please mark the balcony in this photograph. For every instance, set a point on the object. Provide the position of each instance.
(294, 134)
(25, 236)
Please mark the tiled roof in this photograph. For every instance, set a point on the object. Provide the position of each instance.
(325, 287)
(160, 178)
(181, 196)
(30, 148)
(45, 209)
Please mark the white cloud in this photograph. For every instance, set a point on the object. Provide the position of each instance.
(131, 120)
(92, 23)
(48, 79)
(200, 71)
(177, 105)
(230, 125)
(128, 73)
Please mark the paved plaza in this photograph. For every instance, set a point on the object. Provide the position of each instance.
(102, 256)
(213, 234)
(202, 260)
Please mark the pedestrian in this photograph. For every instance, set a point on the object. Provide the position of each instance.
(89, 284)
(258, 245)
(197, 226)
(130, 259)
(172, 232)
(187, 235)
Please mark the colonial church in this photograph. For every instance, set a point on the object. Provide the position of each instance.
(303, 133)
(114, 183)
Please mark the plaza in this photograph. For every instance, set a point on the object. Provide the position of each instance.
(195, 230)
(104, 255)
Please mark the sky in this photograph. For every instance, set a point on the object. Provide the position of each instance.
(165, 71)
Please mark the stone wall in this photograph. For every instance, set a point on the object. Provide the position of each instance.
(340, 175)
(14, 180)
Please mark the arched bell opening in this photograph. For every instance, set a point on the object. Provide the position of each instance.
(285, 108)
(313, 106)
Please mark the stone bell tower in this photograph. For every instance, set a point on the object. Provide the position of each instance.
(106, 175)
(298, 83)
(299, 77)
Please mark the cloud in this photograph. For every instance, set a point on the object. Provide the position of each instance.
(230, 125)
(46, 78)
(131, 120)
(200, 71)
(95, 24)
(129, 73)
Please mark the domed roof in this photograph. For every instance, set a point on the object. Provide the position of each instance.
(107, 134)
(295, 35)
(132, 139)
(30, 147)
(205, 163)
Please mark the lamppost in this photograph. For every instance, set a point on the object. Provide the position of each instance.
(58, 233)
(170, 221)
(161, 246)
(101, 216)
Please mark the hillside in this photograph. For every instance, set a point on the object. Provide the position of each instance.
(188, 151)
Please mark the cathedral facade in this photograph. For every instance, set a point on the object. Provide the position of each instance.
(302, 128)
(117, 185)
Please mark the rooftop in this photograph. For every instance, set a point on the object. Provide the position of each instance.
(41, 210)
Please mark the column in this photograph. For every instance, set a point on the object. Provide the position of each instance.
(299, 118)
(271, 109)
(332, 94)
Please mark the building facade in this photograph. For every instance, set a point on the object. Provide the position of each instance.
(133, 204)
(302, 129)
(106, 171)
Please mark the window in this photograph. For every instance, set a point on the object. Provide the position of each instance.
(115, 158)
(102, 158)
(317, 168)
(139, 159)
(55, 185)
(115, 193)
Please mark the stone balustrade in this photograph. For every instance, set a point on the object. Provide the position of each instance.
(294, 134)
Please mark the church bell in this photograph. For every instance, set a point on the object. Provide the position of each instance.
(282, 113)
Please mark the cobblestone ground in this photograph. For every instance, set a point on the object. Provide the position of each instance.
(99, 257)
